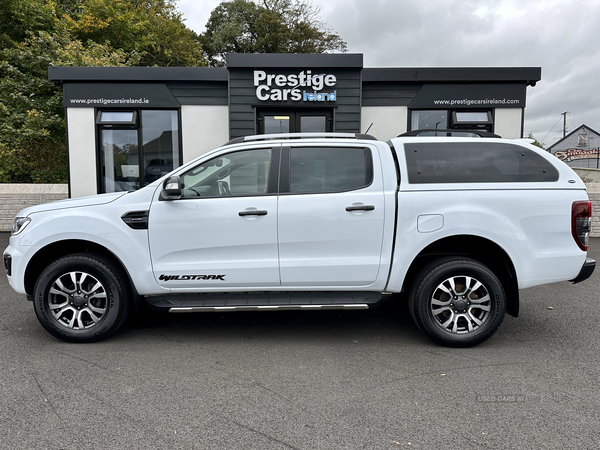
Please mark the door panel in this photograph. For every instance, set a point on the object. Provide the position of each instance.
(222, 233)
(209, 237)
(332, 238)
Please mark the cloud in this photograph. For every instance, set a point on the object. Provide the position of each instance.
(561, 36)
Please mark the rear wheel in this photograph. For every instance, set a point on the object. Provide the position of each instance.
(81, 298)
(458, 302)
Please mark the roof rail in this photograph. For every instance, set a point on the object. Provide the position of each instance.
(271, 137)
(467, 132)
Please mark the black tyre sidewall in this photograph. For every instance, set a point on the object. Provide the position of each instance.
(431, 278)
(117, 298)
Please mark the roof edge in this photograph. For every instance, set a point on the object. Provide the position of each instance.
(529, 75)
(138, 74)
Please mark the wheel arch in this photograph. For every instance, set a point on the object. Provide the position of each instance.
(58, 249)
(479, 249)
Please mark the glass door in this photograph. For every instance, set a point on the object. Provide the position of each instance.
(307, 121)
(120, 160)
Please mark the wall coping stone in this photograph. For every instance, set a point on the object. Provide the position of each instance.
(22, 188)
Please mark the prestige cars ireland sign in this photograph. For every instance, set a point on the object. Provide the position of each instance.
(303, 86)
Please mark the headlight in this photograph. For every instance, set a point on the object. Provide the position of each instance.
(19, 225)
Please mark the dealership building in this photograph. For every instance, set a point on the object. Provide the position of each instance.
(127, 126)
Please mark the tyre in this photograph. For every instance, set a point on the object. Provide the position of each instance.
(457, 302)
(81, 298)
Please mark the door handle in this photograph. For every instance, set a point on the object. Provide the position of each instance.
(253, 212)
(360, 208)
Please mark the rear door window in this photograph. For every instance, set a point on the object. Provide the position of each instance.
(329, 169)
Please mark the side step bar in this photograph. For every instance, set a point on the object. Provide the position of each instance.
(264, 301)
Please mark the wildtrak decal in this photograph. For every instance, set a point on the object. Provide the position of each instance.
(191, 277)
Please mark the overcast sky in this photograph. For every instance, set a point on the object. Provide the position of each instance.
(560, 36)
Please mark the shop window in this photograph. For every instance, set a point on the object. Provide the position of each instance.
(471, 119)
(429, 120)
(450, 119)
(136, 147)
(117, 118)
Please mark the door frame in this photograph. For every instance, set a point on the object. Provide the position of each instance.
(295, 118)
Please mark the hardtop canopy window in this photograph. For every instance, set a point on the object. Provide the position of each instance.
(476, 162)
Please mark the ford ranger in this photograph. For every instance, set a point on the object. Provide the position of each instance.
(309, 222)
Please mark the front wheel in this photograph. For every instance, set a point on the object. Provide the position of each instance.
(81, 298)
(458, 302)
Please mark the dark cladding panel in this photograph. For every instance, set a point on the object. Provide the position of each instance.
(170, 94)
(470, 95)
(118, 95)
(199, 92)
(293, 60)
(386, 93)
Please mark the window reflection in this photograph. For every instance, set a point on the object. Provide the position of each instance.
(277, 124)
(432, 120)
(120, 169)
(160, 137)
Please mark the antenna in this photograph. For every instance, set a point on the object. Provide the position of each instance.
(564, 123)
(367, 132)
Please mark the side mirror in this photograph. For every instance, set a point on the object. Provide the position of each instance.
(171, 189)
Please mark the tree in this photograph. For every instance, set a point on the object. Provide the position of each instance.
(274, 26)
(20, 17)
(536, 142)
(35, 34)
(152, 28)
(32, 130)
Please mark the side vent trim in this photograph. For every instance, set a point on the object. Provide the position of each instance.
(138, 220)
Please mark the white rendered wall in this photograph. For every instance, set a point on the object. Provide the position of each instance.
(388, 121)
(82, 151)
(203, 128)
(507, 122)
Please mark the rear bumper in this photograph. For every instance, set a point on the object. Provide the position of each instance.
(586, 271)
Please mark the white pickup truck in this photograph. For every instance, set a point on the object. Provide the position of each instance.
(313, 221)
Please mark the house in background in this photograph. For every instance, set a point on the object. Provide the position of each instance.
(579, 148)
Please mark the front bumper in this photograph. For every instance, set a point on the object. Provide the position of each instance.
(8, 264)
(13, 260)
(586, 271)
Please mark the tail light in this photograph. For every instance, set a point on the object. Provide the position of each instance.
(581, 223)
